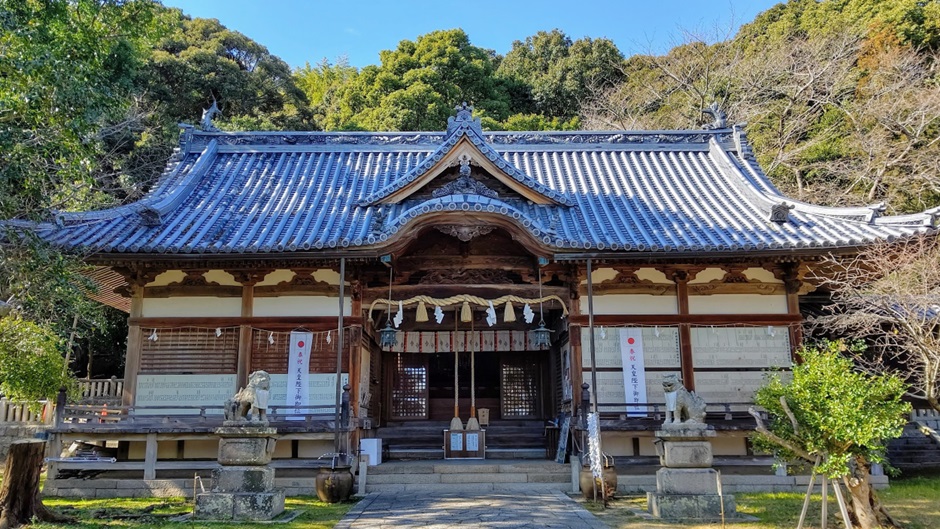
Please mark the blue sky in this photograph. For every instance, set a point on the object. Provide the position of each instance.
(301, 31)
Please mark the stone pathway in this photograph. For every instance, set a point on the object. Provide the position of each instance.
(555, 510)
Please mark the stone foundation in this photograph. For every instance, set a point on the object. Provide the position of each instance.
(687, 488)
(243, 488)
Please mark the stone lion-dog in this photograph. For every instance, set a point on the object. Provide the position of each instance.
(681, 405)
(251, 402)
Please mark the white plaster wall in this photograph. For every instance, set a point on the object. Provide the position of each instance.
(738, 304)
(601, 274)
(762, 274)
(632, 304)
(164, 279)
(327, 275)
(650, 274)
(276, 277)
(300, 306)
(709, 274)
(653, 275)
(221, 277)
(192, 306)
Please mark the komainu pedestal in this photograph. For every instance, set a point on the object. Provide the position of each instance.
(243, 488)
(687, 487)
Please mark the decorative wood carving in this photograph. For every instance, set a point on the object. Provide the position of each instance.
(492, 276)
(194, 278)
(734, 274)
(465, 233)
(249, 277)
(793, 277)
(136, 277)
(303, 282)
(720, 287)
(681, 274)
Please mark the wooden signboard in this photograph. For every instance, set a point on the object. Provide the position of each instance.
(464, 444)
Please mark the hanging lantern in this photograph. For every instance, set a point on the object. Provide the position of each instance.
(542, 336)
(388, 337)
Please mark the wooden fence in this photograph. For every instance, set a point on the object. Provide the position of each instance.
(94, 391)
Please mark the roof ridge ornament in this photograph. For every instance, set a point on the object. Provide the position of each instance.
(208, 114)
(718, 115)
(780, 213)
(464, 120)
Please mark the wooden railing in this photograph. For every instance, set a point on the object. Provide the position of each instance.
(12, 412)
(649, 415)
(101, 389)
(102, 417)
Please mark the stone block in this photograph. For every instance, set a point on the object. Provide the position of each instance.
(214, 506)
(240, 451)
(258, 507)
(687, 454)
(687, 481)
(686, 507)
(242, 479)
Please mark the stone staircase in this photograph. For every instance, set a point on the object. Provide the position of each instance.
(469, 476)
(424, 440)
(915, 449)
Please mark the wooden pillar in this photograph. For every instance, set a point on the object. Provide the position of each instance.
(792, 280)
(355, 346)
(682, 278)
(574, 335)
(248, 280)
(244, 336)
(134, 345)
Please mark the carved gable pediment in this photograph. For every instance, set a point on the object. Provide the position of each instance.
(481, 171)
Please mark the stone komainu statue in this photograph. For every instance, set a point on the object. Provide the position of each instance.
(251, 402)
(681, 405)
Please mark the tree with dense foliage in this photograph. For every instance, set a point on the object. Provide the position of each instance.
(832, 414)
(91, 92)
(559, 73)
(32, 367)
(414, 88)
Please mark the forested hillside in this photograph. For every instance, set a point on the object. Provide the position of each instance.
(839, 98)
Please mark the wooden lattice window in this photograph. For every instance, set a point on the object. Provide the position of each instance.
(410, 387)
(519, 378)
(189, 351)
(270, 350)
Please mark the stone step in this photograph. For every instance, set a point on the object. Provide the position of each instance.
(469, 476)
(465, 488)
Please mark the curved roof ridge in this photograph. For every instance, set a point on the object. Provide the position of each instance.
(464, 125)
(162, 199)
(768, 193)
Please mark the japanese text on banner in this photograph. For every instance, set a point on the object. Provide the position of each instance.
(298, 371)
(634, 369)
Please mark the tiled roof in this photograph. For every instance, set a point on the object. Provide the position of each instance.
(654, 192)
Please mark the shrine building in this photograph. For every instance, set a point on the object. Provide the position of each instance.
(457, 273)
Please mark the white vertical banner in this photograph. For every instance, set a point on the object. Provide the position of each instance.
(634, 369)
(298, 372)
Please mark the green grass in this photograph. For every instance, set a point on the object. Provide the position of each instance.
(912, 501)
(156, 512)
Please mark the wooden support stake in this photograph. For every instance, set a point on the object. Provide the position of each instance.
(842, 507)
(150, 457)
